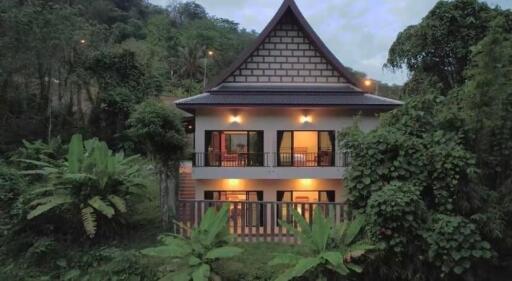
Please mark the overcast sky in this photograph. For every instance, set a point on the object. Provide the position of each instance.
(359, 32)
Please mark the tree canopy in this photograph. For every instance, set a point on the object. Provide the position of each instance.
(435, 176)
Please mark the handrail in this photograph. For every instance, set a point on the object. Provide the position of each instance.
(271, 159)
(257, 221)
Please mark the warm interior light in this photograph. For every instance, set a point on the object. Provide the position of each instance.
(306, 119)
(235, 119)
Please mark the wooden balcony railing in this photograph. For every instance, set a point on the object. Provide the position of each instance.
(258, 221)
(271, 159)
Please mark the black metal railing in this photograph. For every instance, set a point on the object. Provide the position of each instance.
(271, 159)
(240, 159)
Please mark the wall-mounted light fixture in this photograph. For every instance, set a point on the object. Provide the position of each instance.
(233, 183)
(306, 119)
(306, 183)
(235, 119)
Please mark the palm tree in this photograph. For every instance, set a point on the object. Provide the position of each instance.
(189, 60)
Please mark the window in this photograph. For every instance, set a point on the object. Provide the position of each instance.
(234, 148)
(305, 148)
(306, 210)
(253, 212)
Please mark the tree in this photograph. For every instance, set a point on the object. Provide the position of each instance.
(159, 131)
(440, 46)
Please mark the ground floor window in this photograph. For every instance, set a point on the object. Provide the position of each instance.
(253, 214)
(306, 210)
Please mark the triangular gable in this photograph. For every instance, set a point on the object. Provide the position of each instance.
(287, 51)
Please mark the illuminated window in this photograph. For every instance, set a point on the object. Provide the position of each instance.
(305, 148)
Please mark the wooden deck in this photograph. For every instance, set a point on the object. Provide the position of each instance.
(258, 221)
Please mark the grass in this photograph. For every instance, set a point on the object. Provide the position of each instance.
(252, 264)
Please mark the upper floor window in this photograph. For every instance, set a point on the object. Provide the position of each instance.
(305, 148)
(234, 148)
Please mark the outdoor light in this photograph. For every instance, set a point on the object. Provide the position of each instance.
(210, 53)
(306, 182)
(82, 41)
(235, 119)
(306, 119)
(367, 82)
(234, 183)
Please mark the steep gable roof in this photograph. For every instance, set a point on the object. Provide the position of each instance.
(288, 50)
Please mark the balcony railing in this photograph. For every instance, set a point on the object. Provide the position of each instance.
(253, 221)
(271, 159)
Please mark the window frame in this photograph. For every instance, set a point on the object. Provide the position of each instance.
(248, 133)
(330, 133)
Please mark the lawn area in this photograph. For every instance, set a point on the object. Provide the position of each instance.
(252, 264)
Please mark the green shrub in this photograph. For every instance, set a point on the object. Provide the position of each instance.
(252, 265)
(12, 186)
(454, 244)
(330, 250)
(193, 258)
(92, 183)
(396, 214)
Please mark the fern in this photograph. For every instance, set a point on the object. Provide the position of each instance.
(118, 202)
(89, 221)
(48, 203)
(102, 206)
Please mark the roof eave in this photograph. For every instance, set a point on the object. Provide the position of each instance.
(189, 107)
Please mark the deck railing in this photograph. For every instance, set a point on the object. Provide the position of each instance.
(271, 159)
(258, 221)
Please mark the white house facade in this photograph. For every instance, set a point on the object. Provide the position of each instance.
(266, 129)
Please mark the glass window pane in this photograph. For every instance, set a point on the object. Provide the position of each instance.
(326, 149)
(212, 148)
(285, 148)
(255, 156)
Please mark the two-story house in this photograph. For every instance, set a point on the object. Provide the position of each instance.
(266, 129)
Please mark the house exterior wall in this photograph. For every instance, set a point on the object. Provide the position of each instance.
(272, 120)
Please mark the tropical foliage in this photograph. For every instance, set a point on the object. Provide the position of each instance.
(434, 177)
(91, 181)
(194, 257)
(159, 131)
(330, 249)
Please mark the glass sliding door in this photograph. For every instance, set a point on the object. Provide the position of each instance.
(305, 148)
(253, 213)
(284, 149)
(234, 148)
(306, 210)
(213, 148)
(255, 154)
(326, 144)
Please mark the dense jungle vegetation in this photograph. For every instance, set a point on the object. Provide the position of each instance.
(81, 84)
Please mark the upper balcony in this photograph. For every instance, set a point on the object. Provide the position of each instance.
(270, 165)
(271, 159)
